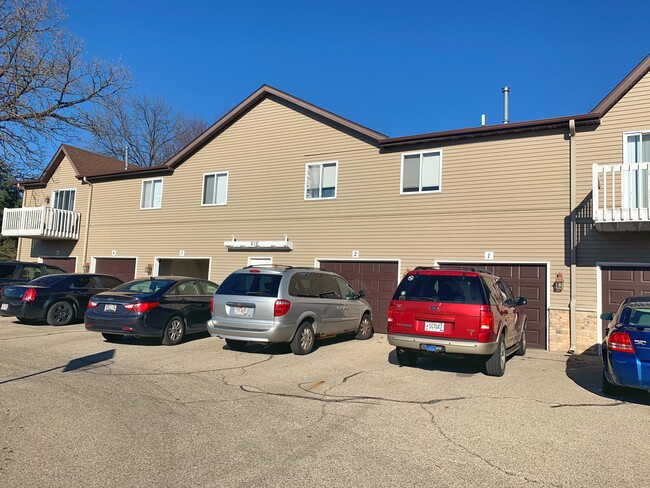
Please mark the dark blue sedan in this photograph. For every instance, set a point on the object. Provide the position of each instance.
(626, 348)
(57, 298)
(165, 307)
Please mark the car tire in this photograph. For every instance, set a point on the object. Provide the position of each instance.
(304, 339)
(405, 357)
(611, 388)
(496, 364)
(365, 330)
(112, 337)
(521, 350)
(174, 331)
(60, 313)
(235, 345)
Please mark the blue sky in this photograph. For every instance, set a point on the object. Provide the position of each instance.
(401, 67)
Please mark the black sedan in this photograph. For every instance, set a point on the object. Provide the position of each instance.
(165, 307)
(59, 298)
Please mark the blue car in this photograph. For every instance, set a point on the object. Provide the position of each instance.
(626, 348)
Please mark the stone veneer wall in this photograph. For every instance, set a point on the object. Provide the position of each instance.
(586, 331)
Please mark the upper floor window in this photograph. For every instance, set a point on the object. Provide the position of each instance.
(637, 147)
(63, 199)
(320, 180)
(215, 189)
(151, 193)
(421, 172)
(634, 181)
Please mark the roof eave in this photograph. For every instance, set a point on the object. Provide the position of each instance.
(137, 173)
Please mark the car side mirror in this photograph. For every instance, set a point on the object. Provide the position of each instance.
(607, 316)
(521, 301)
(361, 294)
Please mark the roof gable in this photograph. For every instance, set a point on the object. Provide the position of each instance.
(623, 87)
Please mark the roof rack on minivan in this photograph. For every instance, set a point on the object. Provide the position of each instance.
(455, 268)
(281, 266)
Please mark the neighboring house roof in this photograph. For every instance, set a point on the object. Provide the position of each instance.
(86, 164)
(254, 99)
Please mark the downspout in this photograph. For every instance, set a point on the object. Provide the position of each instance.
(19, 247)
(573, 251)
(90, 200)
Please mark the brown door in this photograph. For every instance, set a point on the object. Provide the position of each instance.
(526, 280)
(377, 279)
(123, 268)
(68, 264)
(621, 282)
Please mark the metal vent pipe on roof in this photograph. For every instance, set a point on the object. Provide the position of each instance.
(505, 90)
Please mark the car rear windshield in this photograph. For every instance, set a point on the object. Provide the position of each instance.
(47, 280)
(7, 270)
(251, 284)
(145, 286)
(440, 288)
(636, 316)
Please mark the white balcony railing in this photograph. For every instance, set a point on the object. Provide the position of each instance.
(620, 197)
(41, 222)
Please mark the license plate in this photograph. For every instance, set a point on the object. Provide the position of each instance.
(434, 326)
(4, 306)
(110, 307)
(241, 311)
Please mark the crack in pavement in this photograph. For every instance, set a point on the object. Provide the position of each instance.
(478, 456)
(39, 335)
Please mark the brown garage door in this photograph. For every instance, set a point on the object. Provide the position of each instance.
(620, 282)
(526, 280)
(378, 279)
(123, 268)
(68, 264)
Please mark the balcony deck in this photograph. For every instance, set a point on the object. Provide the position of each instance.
(620, 197)
(41, 223)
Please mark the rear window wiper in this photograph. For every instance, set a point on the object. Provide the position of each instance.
(257, 293)
(424, 299)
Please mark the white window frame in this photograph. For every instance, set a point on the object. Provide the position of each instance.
(214, 173)
(633, 189)
(73, 190)
(420, 191)
(260, 261)
(152, 195)
(320, 189)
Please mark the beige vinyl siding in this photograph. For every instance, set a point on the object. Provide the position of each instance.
(604, 145)
(64, 178)
(509, 196)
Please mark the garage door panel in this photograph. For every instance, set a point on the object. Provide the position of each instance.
(621, 275)
(621, 282)
(123, 268)
(531, 272)
(531, 293)
(645, 276)
(67, 264)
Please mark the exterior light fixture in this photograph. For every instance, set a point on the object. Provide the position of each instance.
(558, 285)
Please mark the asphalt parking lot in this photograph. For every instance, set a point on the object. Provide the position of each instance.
(78, 411)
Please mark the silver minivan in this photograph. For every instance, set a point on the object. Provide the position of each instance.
(286, 304)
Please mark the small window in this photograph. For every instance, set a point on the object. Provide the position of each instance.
(215, 189)
(347, 291)
(421, 172)
(208, 287)
(320, 180)
(328, 286)
(109, 282)
(151, 194)
(63, 199)
(83, 282)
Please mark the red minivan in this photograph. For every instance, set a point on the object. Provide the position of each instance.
(466, 311)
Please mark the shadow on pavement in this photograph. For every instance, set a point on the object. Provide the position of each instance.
(285, 348)
(586, 371)
(461, 365)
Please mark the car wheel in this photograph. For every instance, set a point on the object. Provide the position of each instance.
(611, 388)
(61, 313)
(521, 350)
(406, 357)
(112, 337)
(303, 342)
(235, 345)
(365, 330)
(496, 364)
(174, 331)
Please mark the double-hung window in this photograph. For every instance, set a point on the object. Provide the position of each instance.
(320, 180)
(421, 172)
(151, 196)
(63, 199)
(634, 181)
(215, 189)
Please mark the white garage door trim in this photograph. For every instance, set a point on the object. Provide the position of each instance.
(93, 262)
(156, 262)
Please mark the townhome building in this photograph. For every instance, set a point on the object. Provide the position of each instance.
(557, 207)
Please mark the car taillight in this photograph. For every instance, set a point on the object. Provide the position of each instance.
(620, 342)
(141, 306)
(91, 304)
(212, 304)
(30, 295)
(389, 318)
(486, 325)
(281, 308)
